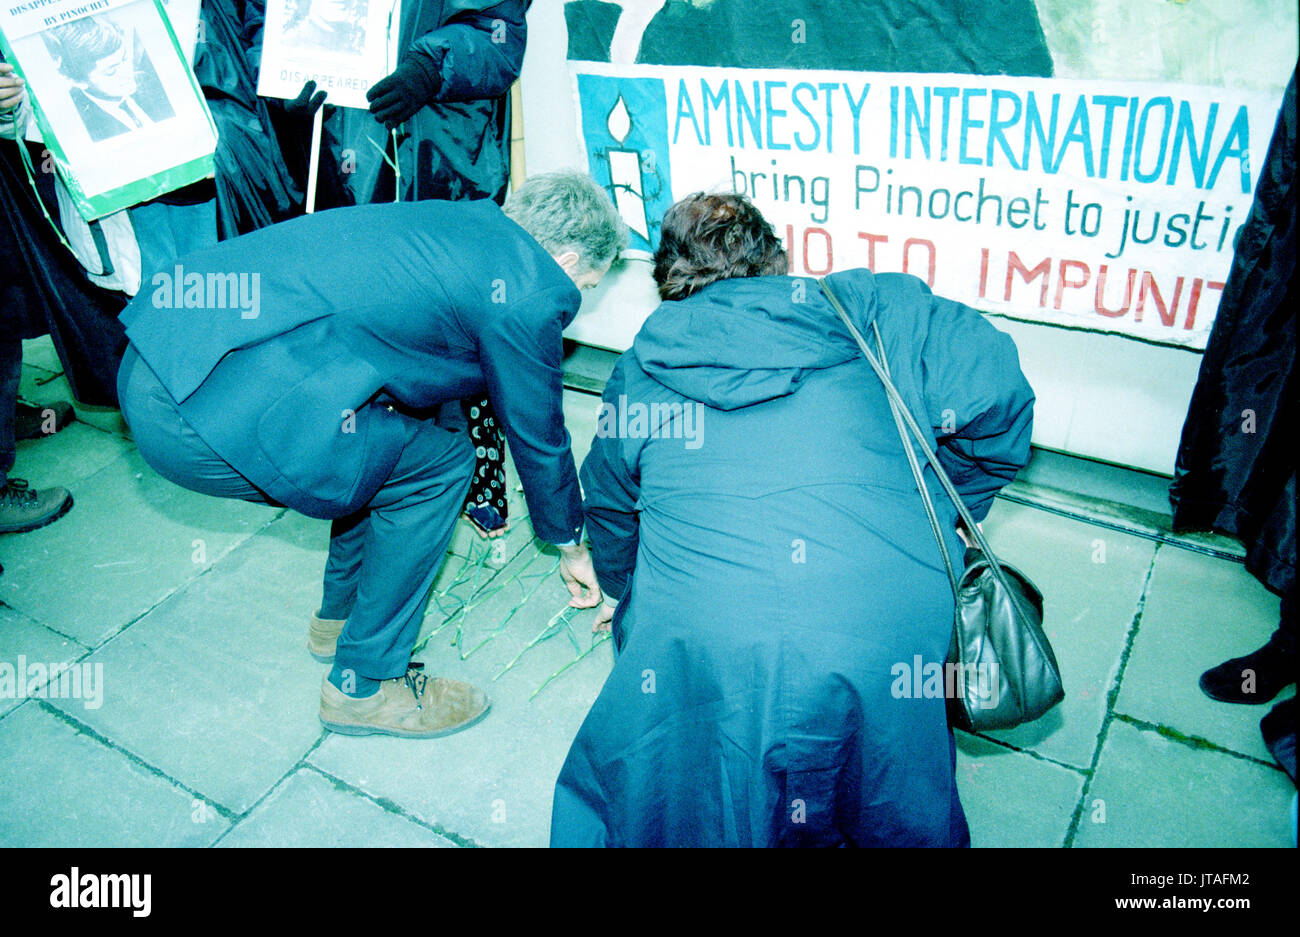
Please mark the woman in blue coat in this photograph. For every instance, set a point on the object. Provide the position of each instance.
(753, 517)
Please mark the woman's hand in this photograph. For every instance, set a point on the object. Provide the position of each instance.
(491, 534)
(11, 88)
(604, 617)
(965, 535)
(306, 104)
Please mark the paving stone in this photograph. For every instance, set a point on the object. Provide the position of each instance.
(494, 782)
(1200, 611)
(580, 411)
(75, 452)
(310, 811)
(1159, 793)
(62, 788)
(23, 642)
(130, 539)
(1014, 799)
(465, 582)
(39, 387)
(214, 689)
(1091, 580)
(40, 353)
(215, 686)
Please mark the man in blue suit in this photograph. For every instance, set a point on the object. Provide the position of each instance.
(302, 364)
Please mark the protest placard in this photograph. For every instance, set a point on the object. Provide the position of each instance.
(342, 45)
(113, 97)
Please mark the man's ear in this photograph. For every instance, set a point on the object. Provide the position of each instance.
(568, 260)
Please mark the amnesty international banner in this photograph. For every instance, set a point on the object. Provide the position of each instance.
(114, 98)
(1096, 204)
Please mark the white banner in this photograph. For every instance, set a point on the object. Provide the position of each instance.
(1094, 204)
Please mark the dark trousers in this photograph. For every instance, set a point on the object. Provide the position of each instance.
(382, 559)
(11, 369)
(1284, 637)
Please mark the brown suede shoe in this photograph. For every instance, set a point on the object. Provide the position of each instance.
(323, 637)
(413, 706)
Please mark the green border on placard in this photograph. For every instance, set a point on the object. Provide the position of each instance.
(140, 190)
(133, 193)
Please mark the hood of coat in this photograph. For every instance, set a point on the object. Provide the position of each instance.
(743, 341)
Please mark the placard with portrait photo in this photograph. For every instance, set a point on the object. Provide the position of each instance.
(113, 96)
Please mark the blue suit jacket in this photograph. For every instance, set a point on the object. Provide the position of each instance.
(283, 346)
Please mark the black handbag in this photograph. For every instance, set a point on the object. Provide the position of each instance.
(1001, 671)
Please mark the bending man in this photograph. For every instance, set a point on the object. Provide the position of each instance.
(300, 365)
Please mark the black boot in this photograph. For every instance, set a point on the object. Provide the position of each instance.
(1255, 678)
(32, 422)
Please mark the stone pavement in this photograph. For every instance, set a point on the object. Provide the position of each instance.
(200, 728)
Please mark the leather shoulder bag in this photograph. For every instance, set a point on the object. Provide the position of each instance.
(1000, 669)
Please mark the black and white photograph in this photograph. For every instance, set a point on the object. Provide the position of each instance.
(111, 93)
(114, 85)
(334, 26)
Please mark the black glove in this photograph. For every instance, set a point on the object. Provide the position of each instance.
(306, 103)
(405, 91)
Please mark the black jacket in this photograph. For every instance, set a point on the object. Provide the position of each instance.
(1236, 462)
(456, 147)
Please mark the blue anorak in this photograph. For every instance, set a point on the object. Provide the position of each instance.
(783, 601)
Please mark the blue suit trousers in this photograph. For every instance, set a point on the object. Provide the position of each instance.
(382, 558)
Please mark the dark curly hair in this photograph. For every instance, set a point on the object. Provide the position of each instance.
(706, 238)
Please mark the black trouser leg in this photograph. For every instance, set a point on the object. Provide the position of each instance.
(11, 369)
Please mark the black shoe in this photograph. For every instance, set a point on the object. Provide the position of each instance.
(23, 508)
(1255, 678)
(32, 422)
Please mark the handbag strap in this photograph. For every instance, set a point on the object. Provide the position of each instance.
(903, 414)
(915, 466)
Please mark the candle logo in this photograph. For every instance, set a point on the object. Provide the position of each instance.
(625, 130)
(625, 172)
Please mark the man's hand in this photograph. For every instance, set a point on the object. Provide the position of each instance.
(579, 575)
(11, 88)
(411, 86)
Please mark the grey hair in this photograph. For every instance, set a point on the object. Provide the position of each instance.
(568, 211)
